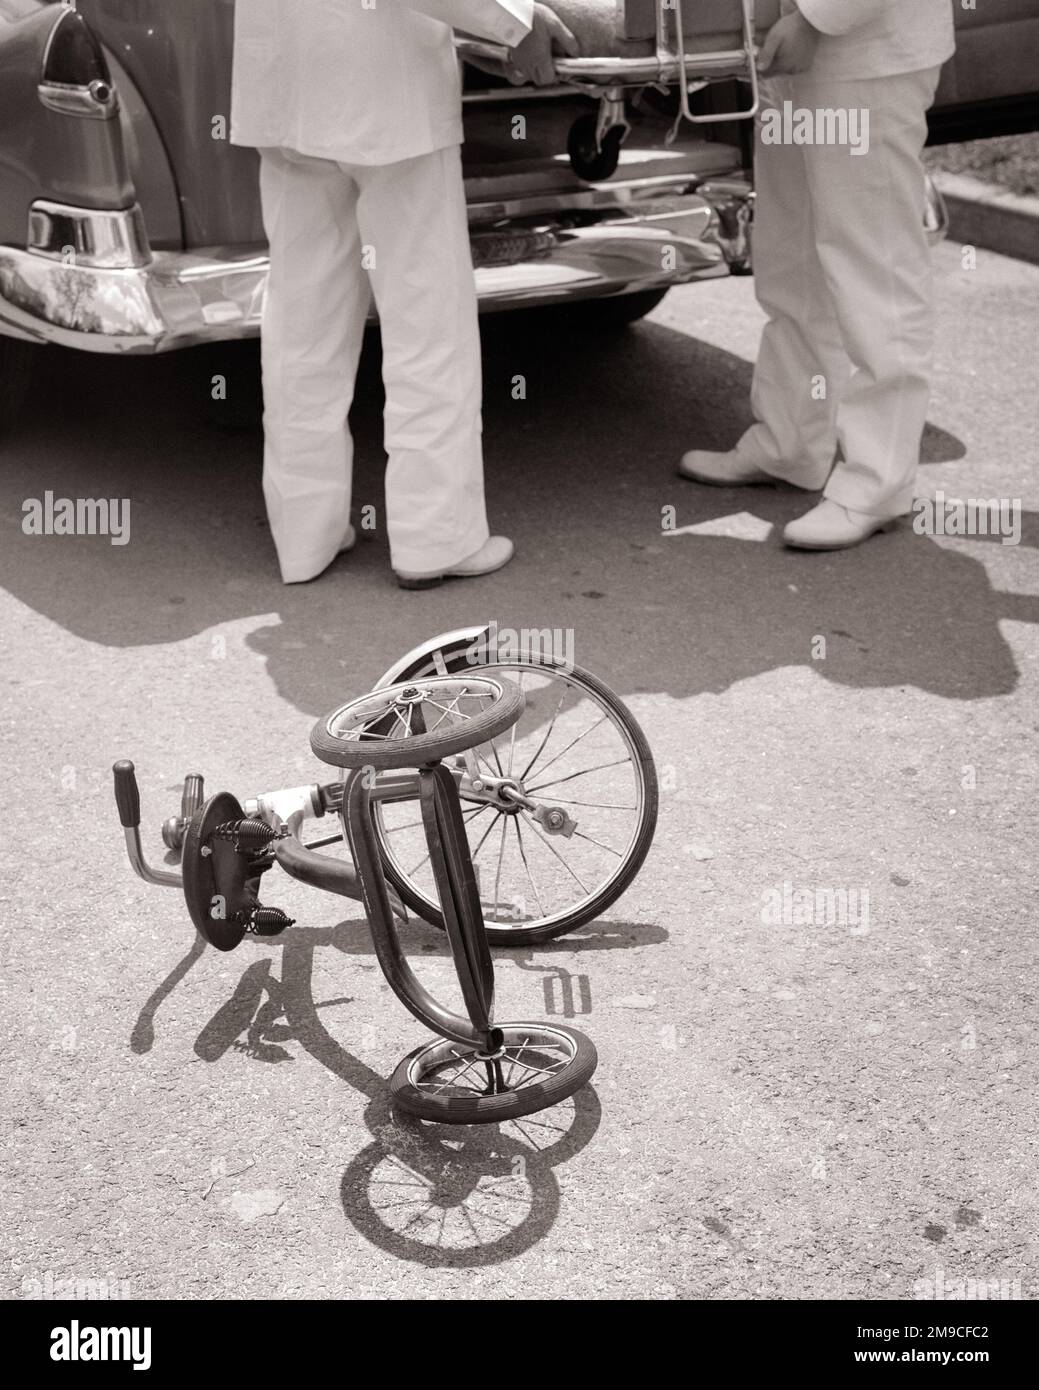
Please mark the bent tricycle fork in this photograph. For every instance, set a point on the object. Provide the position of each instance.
(449, 856)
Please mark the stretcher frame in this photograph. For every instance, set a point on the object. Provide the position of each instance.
(610, 78)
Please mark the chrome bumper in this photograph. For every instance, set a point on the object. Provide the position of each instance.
(614, 239)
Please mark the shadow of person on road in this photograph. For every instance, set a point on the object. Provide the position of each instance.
(580, 472)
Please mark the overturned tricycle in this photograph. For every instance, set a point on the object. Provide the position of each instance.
(536, 802)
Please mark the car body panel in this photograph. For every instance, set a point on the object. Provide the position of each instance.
(997, 53)
(178, 52)
(45, 152)
(163, 187)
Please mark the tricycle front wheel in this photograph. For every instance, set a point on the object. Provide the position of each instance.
(536, 1065)
(418, 722)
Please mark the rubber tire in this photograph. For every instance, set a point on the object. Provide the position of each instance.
(531, 936)
(486, 1110)
(591, 163)
(421, 748)
(17, 361)
(612, 312)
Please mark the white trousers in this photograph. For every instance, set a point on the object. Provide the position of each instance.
(337, 234)
(843, 271)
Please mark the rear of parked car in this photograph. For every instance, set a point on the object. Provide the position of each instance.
(129, 223)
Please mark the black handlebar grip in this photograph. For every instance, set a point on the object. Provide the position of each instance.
(127, 797)
(193, 794)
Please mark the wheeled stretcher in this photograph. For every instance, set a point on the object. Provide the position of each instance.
(627, 45)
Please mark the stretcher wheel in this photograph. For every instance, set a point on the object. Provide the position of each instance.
(537, 1065)
(589, 159)
(418, 722)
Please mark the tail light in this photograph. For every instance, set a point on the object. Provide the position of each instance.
(75, 79)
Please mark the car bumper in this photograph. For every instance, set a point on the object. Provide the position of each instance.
(616, 241)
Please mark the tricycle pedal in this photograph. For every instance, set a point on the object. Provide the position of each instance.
(268, 921)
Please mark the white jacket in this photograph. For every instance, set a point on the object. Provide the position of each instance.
(879, 38)
(358, 81)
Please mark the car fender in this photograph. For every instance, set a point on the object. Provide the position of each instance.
(49, 152)
(150, 168)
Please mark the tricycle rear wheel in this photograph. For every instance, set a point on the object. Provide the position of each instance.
(401, 843)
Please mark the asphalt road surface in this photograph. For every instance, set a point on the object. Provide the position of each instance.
(780, 1110)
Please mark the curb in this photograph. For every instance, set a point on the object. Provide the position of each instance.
(984, 214)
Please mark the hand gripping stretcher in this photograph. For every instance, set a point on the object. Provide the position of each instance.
(627, 45)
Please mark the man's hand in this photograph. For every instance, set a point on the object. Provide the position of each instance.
(790, 46)
(532, 59)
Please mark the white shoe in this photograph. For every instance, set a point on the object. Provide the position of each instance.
(829, 526)
(722, 470)
(492, 555)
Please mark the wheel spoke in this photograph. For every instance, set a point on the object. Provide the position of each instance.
(451, 709)
(466, 816)
(512, 1061)
(594, 805)
(530, 876)
(583, 773)
(493, 823)
(445, 1083)
(552, 847)
(548, 735)
(467, 1069)
(542, 1071)
(482, 759)
(418, 866)
(512, 740)
(591, 728)
(497, 876)
(593, 841)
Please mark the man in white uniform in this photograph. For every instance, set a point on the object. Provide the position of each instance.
(843, 269)
(355, 106)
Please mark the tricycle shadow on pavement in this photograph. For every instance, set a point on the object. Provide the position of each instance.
(437, 1195)
(594, 447)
